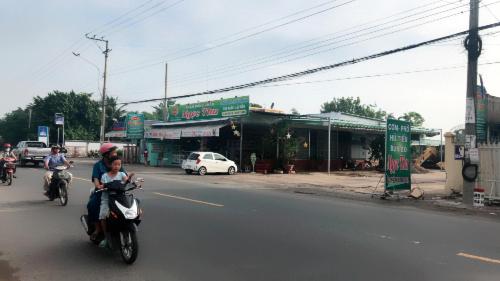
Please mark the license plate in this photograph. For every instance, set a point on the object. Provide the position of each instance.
(38, 157)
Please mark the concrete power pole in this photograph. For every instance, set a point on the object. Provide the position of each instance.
(165, 102)
(103, 102)
(473, 46)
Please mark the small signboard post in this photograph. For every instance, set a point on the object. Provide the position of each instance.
(43, 134)
(397, 156)
(253, 159)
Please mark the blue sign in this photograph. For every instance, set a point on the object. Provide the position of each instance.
(43, 131)
(43, 134)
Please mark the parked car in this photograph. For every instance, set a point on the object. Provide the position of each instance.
(31, 152)
(208, 162)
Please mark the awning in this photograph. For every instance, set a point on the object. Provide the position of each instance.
(116, 134)
(201, 131)
(184, 132)
(163, 133)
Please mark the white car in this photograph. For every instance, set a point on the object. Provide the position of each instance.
(208, 162)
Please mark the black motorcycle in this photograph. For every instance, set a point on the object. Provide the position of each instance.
(58, 187)
(123, 220)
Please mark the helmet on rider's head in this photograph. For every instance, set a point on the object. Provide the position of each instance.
(107, 148)
(54, 147)
(7, 145)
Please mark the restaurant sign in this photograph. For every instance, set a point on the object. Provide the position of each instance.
(233, 107)
(398, 155)
(135, 126)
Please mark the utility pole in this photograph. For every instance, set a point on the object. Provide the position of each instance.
(165, 102)
(473, 46)
(103, 109)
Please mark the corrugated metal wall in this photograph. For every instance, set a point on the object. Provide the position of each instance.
(489, 168)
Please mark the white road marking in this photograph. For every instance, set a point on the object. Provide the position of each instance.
(188, 199)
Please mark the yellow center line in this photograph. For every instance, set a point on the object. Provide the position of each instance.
(188, 199)
(479, 258)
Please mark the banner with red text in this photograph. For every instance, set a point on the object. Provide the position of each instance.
(397, 155)
(233, 107)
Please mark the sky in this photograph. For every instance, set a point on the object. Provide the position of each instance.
(214, 44)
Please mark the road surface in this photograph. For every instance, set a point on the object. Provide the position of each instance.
(194, 230)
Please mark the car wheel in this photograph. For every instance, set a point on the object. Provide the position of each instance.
(202, 171)
(189, 172)
(231, 170)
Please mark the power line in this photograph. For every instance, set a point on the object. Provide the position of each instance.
(314, 41)
(322, 68)
(329, 49)
(375, 75)
(146, 65)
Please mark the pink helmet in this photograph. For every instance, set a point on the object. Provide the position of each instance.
(106, 147)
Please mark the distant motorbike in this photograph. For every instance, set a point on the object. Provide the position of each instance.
(8, 170)
(59, 184)
(124, 218)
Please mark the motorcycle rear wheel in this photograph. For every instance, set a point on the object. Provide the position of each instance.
(9, 179)
(129, 247)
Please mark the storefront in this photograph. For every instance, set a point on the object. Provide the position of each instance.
(277, 139)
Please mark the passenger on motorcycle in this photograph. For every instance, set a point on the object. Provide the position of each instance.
(7, 152)
(53, 160)
(108, 151)
(113, 175)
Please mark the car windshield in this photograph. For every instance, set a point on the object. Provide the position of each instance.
(193, 156)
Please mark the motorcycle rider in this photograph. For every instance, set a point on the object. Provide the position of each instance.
(7, 152)
(108, 151)
(53, 160)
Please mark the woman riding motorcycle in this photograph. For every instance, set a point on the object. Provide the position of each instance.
(108, 151)
(53, 160)
(7, 152)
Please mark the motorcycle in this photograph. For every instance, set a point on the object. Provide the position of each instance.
(9, 169)
(124, 218)
(59, 184)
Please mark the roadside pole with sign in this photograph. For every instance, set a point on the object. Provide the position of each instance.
(397, 156)
(59, 121)
(135, 129)
(43, 134)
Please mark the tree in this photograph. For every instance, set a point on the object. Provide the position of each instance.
(353, 106)
(414, 118)
(81, 114)
(295, 111)
(256, 105)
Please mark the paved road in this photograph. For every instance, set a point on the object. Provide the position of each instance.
(198, 231)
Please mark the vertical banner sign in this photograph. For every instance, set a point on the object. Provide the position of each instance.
(135, 126)
(43, 134)
(481, 114)
(397, 155)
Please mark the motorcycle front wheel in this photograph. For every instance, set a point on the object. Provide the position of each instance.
(129, 247)
(63, 193)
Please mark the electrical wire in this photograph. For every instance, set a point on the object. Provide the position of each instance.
(234, 72)
(314, 41)
(320, 69)
(147, 65)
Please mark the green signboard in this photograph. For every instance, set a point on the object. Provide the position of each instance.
(481, 114)
(232, 107)
(397, 155)
(135, 125)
